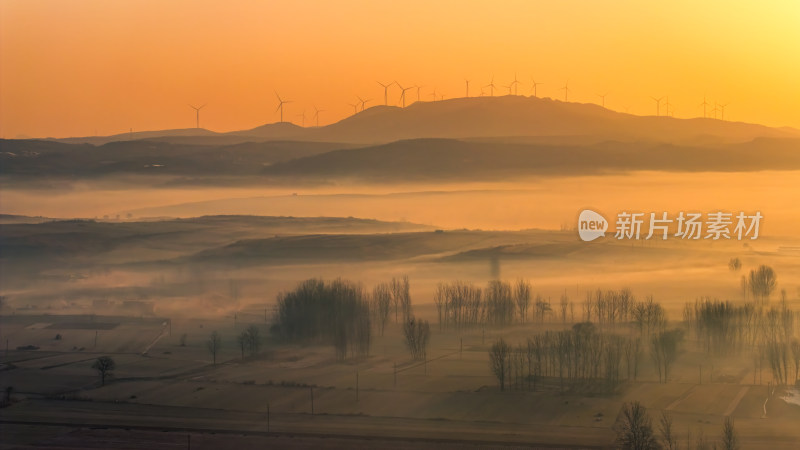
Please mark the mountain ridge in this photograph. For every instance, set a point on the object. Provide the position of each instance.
(480, 117)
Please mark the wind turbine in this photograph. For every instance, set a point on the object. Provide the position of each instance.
(316, 114)
(533, 88)
(508, 86)
(355, 108)
(433, 94)
(715, 110)
(704, 104)
(403, 93)
(281, 102)
(658, 105)
(197, 111)
(566, 91)
(418, 88)
(467, 96)
(491, 87)
(364, 103)
(303, 120)
(385, 92)
(666, 105)
(515, 84)
(722, 110)
(603, 98)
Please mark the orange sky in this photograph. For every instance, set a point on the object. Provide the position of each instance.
(74, 68)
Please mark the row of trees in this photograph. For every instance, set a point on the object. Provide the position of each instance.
(417, 333)
(582, 358)
(664, 351)
(461, 305)
(395, 295)
(725, 327)
(612, 307)
(634, 430)
(336, 313)
(248, 340)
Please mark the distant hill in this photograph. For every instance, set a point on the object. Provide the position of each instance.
(48, 158)
(447, 159)
(139, 135)
(429, 160)
(514, 116)
(30, 247)
(480, 117)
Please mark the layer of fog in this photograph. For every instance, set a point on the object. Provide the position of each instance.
(544, 203)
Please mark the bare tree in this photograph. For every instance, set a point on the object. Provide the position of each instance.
(762, 282)
(104, 365)
(416, 333)
(542, 307)
(664, 351)
(499, 361)
(440, 299)
(401, 297)
(253, 339)
(382, 304)
(796, 359)
(213, 344)
(665, 427)
(564, 304)
(634, 429)
(735, 264)
(241, 341)
(729, 439)
(522, 296)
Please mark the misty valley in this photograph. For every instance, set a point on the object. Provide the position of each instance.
(400, 280)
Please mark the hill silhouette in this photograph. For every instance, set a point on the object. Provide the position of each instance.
(482, 117)
(430, 160)
(449, 159)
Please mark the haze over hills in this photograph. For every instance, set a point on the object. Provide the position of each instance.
(480, 117)
(430, 160)
(448, 159)
(464, 139)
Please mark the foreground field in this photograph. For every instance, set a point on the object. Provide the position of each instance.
(452, 399)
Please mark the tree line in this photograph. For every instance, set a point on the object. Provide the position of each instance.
(583, 358)
(336, 313)
(726, 328)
